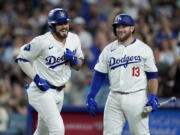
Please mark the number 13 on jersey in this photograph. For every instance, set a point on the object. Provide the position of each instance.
(135, 71)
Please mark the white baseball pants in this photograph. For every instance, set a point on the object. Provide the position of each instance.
(48, 105)
(121, 107)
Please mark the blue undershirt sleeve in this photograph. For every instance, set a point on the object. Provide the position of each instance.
(151, 75)
(96, 83)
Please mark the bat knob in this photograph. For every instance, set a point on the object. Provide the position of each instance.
(173, 99)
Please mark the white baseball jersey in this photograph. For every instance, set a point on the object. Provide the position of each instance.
(48, 56)
(126, 65)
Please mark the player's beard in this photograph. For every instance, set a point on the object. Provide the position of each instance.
(62, 34)
(124, 38)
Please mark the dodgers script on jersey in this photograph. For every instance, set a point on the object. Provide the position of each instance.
(48, 56)
(127, 65)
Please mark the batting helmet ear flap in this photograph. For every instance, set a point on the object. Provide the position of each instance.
(51, 27)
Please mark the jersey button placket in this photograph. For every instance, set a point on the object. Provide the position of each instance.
(121, 76)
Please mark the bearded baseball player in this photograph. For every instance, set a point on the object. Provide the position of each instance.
(131, 67)
(48, 60)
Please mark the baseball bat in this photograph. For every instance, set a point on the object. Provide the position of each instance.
(148, 109)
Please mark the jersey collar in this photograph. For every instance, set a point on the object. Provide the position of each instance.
(131, 42)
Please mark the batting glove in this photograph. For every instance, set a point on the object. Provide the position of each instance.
(69, 55)
(91, 105)
(153, 101)
(41, 83)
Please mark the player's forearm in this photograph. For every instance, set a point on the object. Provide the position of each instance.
(96, 83)
(153, 86)
(27, 68)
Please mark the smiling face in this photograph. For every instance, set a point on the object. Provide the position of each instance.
(124, 32)
(61, 30)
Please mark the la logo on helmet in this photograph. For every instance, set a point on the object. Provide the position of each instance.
(119, 18)
(62, 14)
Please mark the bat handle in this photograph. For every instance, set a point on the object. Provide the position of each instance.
(173, 99)
(147, 109)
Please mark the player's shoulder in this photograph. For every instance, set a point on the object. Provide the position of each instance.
(73, 35)
(110, 46)
(73, 40)
(142, 45)
(42, 37)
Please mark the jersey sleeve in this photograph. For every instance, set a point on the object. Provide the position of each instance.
(150, 64)
(31, 50)
(102, 63)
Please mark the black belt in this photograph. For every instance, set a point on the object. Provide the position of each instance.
(121, 92)
(57, 88)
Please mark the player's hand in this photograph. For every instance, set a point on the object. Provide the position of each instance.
(69, 55)
(91, 105)
(41, 83)
(153, 101)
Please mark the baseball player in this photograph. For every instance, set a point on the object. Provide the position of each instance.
(48, 60)
(130, 66)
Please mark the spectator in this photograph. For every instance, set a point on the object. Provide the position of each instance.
(79, 28)
(106, 7)
(131, 8)
(18, 42)
(8, 15)
(80, 85)
(95, 18)
(101, 40)
(80, 8)
(17, 101)
(36, 21)
(5, 90)
(165, 30)
(163, 68)
(166, 55)
(3, 119)
(174, 72)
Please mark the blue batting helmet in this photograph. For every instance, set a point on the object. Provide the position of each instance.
(122, 19)
(57, 15)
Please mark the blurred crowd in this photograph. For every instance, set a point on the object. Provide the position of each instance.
(157, 24)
